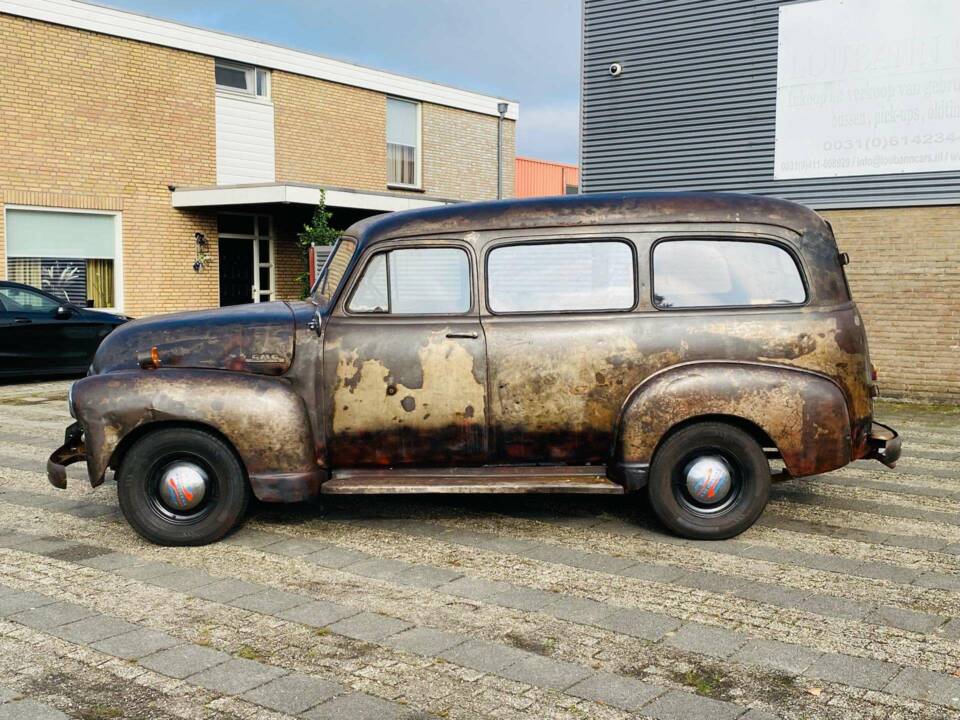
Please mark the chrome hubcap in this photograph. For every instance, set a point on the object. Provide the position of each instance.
(183, 486)
(709, 479)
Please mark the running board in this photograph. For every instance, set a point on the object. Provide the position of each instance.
(493, 479)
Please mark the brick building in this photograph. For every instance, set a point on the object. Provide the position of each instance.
(123, 136)
(806, 100)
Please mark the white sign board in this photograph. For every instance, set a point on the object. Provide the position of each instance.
(868, 87)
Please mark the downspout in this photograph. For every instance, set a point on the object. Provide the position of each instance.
(502, 109)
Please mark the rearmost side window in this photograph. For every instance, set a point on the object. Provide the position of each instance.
(724, 273)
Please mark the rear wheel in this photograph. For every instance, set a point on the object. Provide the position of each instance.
(182, 486)
(709, 481)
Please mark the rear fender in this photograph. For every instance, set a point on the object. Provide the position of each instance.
(805, 414)
(262, 417)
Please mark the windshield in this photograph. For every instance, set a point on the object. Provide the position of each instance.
(333, 271)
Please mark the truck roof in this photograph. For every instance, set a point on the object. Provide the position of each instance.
(621, 208)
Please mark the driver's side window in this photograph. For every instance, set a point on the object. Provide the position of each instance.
(414, 281)
(21, 300)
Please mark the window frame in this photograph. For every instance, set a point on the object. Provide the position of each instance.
(251, 72)
(367, 256)
(258, 262)
(791, 252)
(117, 216)
(418, 162)
(573, 239)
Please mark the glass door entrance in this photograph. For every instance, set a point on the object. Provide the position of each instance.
(246, 254)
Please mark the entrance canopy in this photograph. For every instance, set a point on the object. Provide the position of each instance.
(298, 194)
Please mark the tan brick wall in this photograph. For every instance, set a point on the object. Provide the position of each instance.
(905, 276)
(460, 154)
(89, 119)
(329, 134)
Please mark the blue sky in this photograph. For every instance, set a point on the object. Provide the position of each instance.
(526, 50)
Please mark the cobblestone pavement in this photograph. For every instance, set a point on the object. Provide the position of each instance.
(842, 602)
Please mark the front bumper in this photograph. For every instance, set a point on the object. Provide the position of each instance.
(883, 444)
(72, 450)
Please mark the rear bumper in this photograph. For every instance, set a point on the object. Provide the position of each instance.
(883, 444)
(72, 451)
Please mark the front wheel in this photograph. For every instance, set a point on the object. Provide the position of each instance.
(709, 481)
(182, 486)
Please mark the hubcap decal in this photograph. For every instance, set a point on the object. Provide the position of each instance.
(183, 486)
(709, 479)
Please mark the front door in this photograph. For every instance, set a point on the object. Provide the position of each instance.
(405, 363)
(246, 250)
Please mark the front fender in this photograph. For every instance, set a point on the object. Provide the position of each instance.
(805, 414)
(262, 417)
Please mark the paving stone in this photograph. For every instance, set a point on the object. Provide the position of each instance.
(834, 606)
(111, 561)
(651, 573)
(8, 694)
(236, 676)
(40, 546)
(754, 714)
(335, 557)
(179, 662)
(51, 615)
(884, 571)
(295, 547)
(424, 641)
(905, 619)
(509, 545)
(270, 601)
(223, 591)
(29, 710)
(145, 571)
(951, 629)
(711, 582)
(476, 589)
(928, 686)
(522, 598)
(579, 610)
(379, 568)
(369, 626)
(638, 623)
(294, 694)
(940, 581)
(483, 655)
(546, 672)
(182, 579)
(18, 601)
(76, 553)
(92, 629)
(249, 538)
(853, 671)
(317, 613)
(706, 640)
(427, 576)
(685, 706)
(357, 706)
(92, 510)
(136, 644)
(787, 658)
(615, 690)
(14, 540)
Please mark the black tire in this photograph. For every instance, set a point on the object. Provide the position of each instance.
(224, 500)
(680, 510)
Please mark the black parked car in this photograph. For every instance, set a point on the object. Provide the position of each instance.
(41, 334)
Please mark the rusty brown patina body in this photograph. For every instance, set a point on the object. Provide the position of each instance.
(303, 390)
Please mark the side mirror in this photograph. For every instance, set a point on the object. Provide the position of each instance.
(63, 312)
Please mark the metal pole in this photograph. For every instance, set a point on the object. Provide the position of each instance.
(502, 109)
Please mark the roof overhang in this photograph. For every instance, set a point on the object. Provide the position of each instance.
(297, 194)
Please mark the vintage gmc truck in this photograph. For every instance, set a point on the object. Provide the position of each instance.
(673, 344)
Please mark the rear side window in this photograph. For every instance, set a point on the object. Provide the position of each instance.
(723, 273)
(554, 277)
(414, 281)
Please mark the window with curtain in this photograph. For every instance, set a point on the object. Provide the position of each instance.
(403, 142)
(69, 254)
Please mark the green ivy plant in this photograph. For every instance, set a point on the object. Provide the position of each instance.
(316, 232)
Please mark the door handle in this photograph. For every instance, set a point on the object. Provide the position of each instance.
(22, 321)
(471, 335)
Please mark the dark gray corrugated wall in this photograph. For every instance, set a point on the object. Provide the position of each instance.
(695, 107)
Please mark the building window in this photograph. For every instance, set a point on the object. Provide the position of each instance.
(724, 273)
(403, 143)
(238, 78)
(69, 254)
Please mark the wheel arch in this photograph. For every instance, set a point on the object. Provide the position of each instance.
(799, 412)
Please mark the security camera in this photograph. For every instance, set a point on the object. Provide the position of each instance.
(616, 69)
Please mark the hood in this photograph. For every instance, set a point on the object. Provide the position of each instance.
(254, 338)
